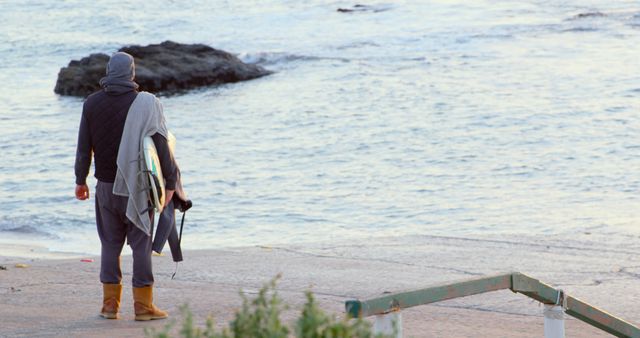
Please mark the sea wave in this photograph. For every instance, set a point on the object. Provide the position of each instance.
(273, 58)
(25, 228)
(280, 58)
(41, 226)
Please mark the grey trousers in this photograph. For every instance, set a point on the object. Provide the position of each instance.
(113, 229)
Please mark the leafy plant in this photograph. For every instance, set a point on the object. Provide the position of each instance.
(260, 318)
(315, 323)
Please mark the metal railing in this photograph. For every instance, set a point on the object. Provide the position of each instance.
(556, 303)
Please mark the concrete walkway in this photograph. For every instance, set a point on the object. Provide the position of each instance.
(61, 298)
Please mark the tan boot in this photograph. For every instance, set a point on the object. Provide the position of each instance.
(143, 304)
(111, 300)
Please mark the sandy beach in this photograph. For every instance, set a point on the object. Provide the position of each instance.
(61, 297)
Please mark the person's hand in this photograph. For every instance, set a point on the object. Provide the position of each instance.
(82, 192)
(169, 194)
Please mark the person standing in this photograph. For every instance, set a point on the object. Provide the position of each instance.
(114, 121)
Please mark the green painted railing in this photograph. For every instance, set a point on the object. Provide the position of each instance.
(516, 282)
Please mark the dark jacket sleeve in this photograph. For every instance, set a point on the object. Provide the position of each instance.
(83, 151)
(167, 162)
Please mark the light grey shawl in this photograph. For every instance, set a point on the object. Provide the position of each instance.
(145, 118)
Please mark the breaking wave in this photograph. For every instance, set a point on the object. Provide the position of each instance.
(273, 58)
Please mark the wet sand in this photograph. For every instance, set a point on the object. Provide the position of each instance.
(61, 297)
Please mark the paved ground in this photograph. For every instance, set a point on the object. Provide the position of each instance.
(61, 297)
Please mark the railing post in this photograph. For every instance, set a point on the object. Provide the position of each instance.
(389, 324)
(553, 321)
(517, 282)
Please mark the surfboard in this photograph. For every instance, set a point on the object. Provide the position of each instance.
(153, 170)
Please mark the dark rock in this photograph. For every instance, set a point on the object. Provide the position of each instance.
(168, 67)
(589, 15)
(355, 8)
(364, 8)
(81, 78)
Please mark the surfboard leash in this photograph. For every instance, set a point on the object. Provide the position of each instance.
(186, 206)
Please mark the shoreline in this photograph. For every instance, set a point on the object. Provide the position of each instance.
(210, 280)
(32, 252)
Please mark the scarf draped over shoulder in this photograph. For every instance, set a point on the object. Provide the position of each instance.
(145, 118)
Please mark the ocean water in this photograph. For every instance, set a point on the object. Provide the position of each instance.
(452, 118)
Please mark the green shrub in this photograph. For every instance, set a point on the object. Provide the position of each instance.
(260, 318)
(314, 323)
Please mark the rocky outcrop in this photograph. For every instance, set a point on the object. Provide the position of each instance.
(589, 15)
(364, 8)
(168, 67)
